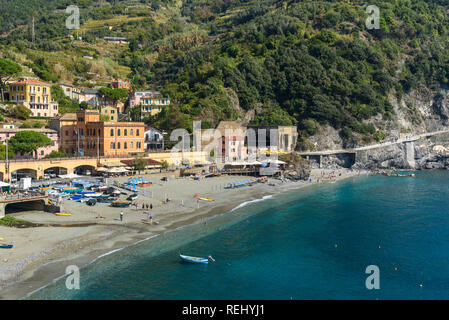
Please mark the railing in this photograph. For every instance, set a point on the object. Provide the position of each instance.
(118, 156)
(23, 195)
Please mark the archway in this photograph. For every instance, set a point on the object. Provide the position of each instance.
(55, 171)
(84, 170)
(23, 173)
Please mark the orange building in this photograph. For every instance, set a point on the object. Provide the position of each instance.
(105, 138)
(84, 134)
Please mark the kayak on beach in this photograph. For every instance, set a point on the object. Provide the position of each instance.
(6, 246)
(63, 214)
(206, 199)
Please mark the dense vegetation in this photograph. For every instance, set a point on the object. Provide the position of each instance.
(290, 62)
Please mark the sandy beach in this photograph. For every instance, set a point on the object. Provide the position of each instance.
(41, 254)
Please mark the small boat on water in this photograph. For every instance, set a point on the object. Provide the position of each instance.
(120, 204)
(6, 246)
(193, 259)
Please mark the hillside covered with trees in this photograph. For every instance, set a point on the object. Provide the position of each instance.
(305, 63)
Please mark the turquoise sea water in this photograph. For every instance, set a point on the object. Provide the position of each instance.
(308, 244)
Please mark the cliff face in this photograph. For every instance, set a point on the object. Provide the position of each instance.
(419, 111)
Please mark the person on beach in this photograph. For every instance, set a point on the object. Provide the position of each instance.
(121, 216)
(146, 206)
(151, 206)
(137, 205)
(143, 206)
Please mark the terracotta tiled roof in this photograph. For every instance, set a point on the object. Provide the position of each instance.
(149, 162)
(31, 81)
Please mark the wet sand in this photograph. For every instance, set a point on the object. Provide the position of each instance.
(41, 254)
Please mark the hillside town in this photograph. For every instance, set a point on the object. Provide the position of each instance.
(103, 129)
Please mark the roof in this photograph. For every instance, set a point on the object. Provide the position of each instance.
(31, 81)
(149, 162)
(68, 117)
(93, 91)
(15, 130)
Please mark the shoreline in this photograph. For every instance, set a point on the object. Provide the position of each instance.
(102, 239)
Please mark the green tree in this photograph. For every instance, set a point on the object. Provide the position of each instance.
(29, 141)
(116, 95)
(84, 105)
(139, 164)
(3, 152)
(20, 112)
(164, 164)
(8, 69)
(56, 154)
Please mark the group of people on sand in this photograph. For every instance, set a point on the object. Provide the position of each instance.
(144, 206)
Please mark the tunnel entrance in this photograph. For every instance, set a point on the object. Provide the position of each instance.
(55, 171)
(34, 205)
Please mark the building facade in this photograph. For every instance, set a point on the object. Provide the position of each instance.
(35, 95)
(154, 140)
(152, 102)
(105, 138)
(65, 125)
(72, 92)
(227, 141)
(279, 138)
(110, 112)
(121, 84)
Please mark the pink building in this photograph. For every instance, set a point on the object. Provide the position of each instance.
(6, 134)
(231, 146)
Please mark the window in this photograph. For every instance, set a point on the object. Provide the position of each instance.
(112, 132)
(126, 132)
(138, 144)
(130, 145)
(137, 132)
(42, 152)
(118, 132)
(99, 131)
(125, 145)
(52, 143)
(112, 145)
(118, 145)
(132, 132)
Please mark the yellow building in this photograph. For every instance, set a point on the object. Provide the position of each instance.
(111, 112)
(35, 95)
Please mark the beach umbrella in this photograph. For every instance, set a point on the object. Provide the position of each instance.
(195, 195)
